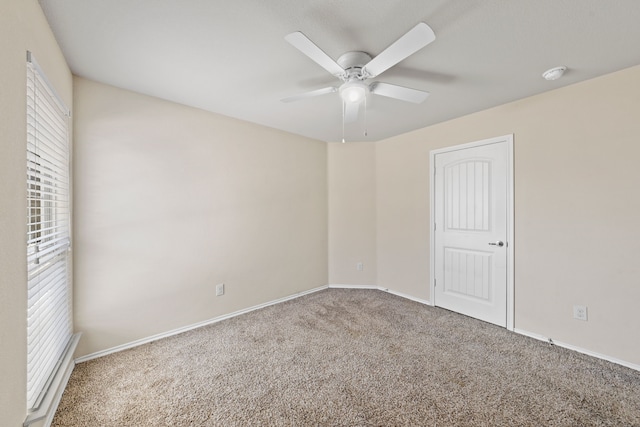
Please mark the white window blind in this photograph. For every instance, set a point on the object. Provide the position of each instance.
(49, 325)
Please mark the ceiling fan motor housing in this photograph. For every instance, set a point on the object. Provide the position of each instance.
(352, 62)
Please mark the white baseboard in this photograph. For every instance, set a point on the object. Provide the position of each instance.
(167, 334)
(339, 286)
(406, 296)
(58, 397)
(192, 326)
(383, 289)
(333, 286)
(578, 349)
(49, 405)
(518, 331)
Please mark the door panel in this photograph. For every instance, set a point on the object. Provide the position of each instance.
(467, 195)
(470, 207)
(467, 273)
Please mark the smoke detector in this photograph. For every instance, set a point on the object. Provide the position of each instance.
(554, 73)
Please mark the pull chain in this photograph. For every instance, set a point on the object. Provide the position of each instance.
(365, 116)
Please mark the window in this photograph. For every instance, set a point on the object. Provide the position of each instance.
(49, 325)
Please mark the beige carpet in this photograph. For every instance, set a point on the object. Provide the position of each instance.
(350, 358)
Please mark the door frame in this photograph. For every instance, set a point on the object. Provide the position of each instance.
(508, 139)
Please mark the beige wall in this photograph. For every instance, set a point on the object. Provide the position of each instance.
(172, 200)
(22, 27)
(402, 226)
(577, 204)
(352, 214)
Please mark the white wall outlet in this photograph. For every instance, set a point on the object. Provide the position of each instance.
(580, 312)
(220, 289)
(360, 266)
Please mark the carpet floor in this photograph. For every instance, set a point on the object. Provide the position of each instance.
(344, 357)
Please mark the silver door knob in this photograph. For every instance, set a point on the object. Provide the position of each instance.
(498, 243)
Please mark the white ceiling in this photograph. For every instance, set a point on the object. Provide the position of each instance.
(230, 57)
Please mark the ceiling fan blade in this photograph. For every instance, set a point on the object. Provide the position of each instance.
(306, 46)
(414, 40)
(310, 94)
(351, 112)
(399, 92)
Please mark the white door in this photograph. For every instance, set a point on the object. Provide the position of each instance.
(470, 244)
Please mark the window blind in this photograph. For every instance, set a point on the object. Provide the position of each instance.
(49, 325)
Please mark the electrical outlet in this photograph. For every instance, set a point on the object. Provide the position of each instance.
(220, 289)
(580, 312)
(360, 266)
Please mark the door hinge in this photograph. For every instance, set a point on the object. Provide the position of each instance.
(434, 226)
(435, 283)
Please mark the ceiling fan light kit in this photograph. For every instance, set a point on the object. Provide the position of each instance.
(354, 68)
(354, 91)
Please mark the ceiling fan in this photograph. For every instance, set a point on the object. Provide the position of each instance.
(355, 68)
